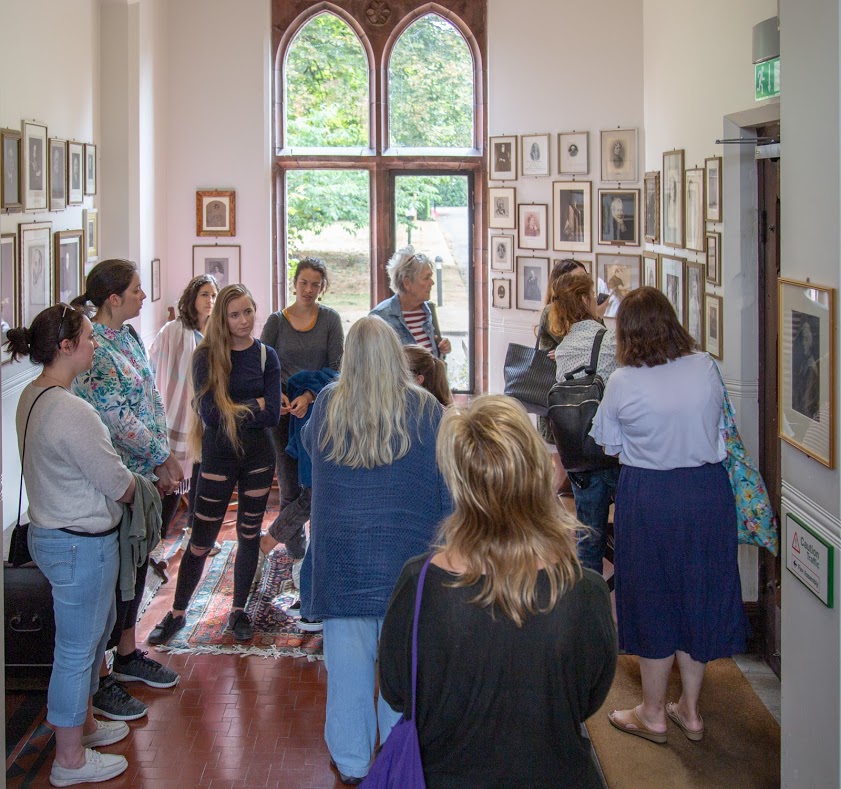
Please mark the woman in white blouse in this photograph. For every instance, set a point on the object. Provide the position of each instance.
(678, 594)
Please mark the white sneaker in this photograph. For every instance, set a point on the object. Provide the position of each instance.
(107, 733)
(185, 540)
(296, 574)
(97, 767)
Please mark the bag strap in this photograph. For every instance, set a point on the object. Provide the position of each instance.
(418, 597)
(23, 448)
(262, 357)
(594, 358)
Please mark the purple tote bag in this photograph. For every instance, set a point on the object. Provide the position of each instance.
(399, 764)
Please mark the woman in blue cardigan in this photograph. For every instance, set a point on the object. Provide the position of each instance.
(377, 498)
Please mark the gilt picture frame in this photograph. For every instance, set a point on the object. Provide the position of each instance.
(216, 212)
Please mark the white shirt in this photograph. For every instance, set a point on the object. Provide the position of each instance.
(663, 417)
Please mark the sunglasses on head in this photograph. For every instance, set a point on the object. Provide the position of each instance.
(61, 322)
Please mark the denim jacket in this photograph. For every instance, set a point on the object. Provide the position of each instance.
(389, 310)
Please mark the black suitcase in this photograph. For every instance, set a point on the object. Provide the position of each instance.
(29, 617)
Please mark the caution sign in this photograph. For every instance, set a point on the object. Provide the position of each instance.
(810, 559)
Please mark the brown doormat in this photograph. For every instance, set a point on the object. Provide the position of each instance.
(740, 749)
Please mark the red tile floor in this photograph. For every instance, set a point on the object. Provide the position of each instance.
(230, 722)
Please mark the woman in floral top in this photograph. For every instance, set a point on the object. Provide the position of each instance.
(121, 387)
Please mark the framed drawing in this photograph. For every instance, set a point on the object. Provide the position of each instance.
(714, 258)
(714, 325)
(652, 207)
(619, 155)
(90, 224)
(807, 369)
(672, 218)
(650, 272)
(11, 199)
(216, 212)
(90, 169)
(618, 210)
(68, 264)
(587, 264)
(156, 279)
(694, 201)
(693, 307)
(571, 216)
(672, 283)
(502, 253)
(58, 174)
(534, 154)
(503, 158)
(34, 165)
(75, 184)
(501, 293)
(9, 292)
(620, 274)
(533, 221)
(502, 201)
(574, 153)
(532, 279)
(220, 261)
(35, 269)
(712, 180)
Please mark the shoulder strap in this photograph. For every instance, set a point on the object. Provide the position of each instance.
(418, 598)
(23, 448)
(262, 357)
(594, 355)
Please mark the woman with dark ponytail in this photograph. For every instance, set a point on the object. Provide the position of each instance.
(75, 482)
(121, 387)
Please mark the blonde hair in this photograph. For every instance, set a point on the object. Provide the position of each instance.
(434, 372)
(507, 523)
(366, 420)
(216, 345)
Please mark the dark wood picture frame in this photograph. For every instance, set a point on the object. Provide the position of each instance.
(616, 228)
(714, 326)
(694, 203)
(156, 279)
(713, 261)
(568, 216)
(58, 174)
(651, 263)
(11, 186)
(651, 203)
(35, 166)
(694, 275)
(75, 177)
(502, 161)
(671, 220)
(499, 198)
(74, 274)
(713, 209)
(9, 289)
(533, 226)
(90, 169)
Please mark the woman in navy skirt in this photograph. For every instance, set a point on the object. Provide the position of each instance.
(678, 594)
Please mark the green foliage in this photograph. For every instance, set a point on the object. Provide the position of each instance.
(317, 199)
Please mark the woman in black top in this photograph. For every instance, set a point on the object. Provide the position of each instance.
(517, 645)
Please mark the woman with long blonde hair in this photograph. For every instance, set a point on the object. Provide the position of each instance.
(236, 380)
(516, 642)
(377, 498)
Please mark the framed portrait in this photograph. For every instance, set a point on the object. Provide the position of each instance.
(90, 224)
(68, 264)
(714, 325)
(35, 269)
(650, 270)
(672, 283)
(571, 214)
(216, 212)
(532, 279)
(534, 154)
(220, 261)
(712, 181)
(619, 274)
(11, 199)
(651, 193)
(90, 169)
(574, 153)
(503, 158)
(156, 279)
(694, 201)
(58, 174)
(618, 210)
(619, 155)
(9, 292)
(672, 218)
(807, 368)
(502, 253)
(34, 166)
(714, 257)
(75, 169)
(533, 221)
(501, 293)
(693, 307)
(587, 264)
(502, 214)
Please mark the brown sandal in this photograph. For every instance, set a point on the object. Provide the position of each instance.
(696, 735)
(639, 728)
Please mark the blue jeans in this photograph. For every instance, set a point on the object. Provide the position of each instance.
(82, 572)
(594, 491)
(350, 656)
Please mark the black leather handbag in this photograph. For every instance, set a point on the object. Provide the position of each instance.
(573, 403)
(28, 618)
(529, 374)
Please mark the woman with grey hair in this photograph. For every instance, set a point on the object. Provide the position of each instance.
(408, 311)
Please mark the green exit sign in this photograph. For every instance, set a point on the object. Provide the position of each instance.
(767, 79)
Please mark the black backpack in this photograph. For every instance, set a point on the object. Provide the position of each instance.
(573, 403)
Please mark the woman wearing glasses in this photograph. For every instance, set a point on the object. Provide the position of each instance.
(75, 482)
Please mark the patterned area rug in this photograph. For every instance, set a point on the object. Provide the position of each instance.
(275, 632)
